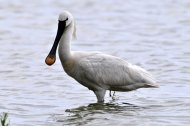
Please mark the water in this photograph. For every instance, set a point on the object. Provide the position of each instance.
(152, 34)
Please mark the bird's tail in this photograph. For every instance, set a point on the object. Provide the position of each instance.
(152, 86)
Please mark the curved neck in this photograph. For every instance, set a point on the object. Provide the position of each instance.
(64, 43)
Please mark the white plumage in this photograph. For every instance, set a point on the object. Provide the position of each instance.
(96, 71)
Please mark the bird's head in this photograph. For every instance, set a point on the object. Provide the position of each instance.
(64, 21)
(66, 16)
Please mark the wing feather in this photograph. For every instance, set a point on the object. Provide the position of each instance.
(108, 70)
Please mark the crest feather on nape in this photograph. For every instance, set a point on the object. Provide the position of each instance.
(74, 30)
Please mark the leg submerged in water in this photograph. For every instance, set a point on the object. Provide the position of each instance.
(100, 95)
(111, 94)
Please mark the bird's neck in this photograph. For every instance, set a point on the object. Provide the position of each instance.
(64, 44)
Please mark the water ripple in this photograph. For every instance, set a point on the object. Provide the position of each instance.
(152, 34)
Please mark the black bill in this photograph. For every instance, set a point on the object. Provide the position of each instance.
(50, 59)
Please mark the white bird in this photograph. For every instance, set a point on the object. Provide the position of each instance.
(96, 71)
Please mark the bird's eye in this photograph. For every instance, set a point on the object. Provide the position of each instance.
(66, 19)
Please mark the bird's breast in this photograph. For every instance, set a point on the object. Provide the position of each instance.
(68, 66)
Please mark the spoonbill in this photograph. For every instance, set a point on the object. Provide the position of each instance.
(95, 70)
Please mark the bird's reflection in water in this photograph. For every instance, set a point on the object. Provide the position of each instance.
(96, 111)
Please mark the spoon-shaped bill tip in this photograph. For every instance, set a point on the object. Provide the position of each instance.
(50, 59)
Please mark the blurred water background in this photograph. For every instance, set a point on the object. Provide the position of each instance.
(153, 34)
